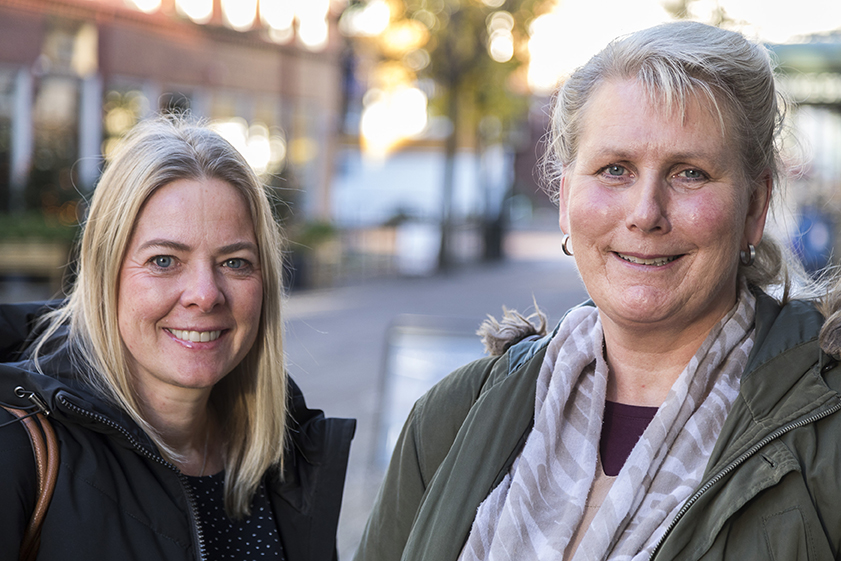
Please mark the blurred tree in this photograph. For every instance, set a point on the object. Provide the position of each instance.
(470, 57)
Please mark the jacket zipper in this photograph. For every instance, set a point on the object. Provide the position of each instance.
(194, 515)
(736, 463)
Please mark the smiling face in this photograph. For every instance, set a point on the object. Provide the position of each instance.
(657, 209)
(190, 288)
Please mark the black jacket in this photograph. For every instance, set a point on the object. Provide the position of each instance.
(117, 498)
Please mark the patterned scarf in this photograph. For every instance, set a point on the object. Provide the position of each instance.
(534, 512)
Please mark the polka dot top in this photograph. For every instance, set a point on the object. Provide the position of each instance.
(252, 538)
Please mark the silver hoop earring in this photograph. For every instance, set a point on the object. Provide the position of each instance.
(565, 245)
(747, 257)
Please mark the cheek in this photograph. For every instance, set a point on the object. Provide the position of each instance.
(592, 210)
(256, 304)
(248, 313)
(141, 301)
(130, 319)
(127, 295)
(250, 303)
(713, 221)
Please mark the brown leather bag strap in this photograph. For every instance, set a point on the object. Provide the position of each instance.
(45, 449)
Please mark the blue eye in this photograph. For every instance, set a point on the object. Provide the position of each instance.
(235, 263)
(162, 261)
(614, 170)
(692, 174)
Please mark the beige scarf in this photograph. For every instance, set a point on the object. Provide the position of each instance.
(534, 512)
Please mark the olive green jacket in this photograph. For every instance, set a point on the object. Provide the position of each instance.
(771, 490)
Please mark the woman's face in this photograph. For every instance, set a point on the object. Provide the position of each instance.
(190, 288)
(657, 209)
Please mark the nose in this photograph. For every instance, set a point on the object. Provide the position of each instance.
(202, 288)
(648, 202)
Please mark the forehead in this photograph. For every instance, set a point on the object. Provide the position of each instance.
(624, 115)
(195, 207)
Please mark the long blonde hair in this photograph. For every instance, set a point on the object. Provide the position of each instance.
(251, 400)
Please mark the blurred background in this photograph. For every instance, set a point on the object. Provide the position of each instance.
(401, 139)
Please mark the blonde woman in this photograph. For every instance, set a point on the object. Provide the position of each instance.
(180, 434)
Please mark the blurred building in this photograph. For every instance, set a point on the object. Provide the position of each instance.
(77, 74)
(810, 74)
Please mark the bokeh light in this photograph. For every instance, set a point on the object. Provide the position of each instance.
(566, 37)
(147, 6)
(263, 149)
(200, 11)
(313, 33)
(313, 29)
(365, 20)
(501, 46)
(403, 36)
(391, 117)
(239, 14)
(277, 14)
(417, 60)
(500, 36)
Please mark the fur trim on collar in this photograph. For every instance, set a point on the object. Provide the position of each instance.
(499, 335)
(830, 336)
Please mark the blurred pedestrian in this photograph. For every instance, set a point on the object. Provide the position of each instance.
(180, 435)
(691, 409)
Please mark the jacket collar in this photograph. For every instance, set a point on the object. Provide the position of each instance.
(786, 346)
(308, 497)
(67, 399)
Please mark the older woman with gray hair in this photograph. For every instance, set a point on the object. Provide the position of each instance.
(690, 410)
(178, 431)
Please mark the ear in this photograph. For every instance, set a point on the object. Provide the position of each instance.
(563, 204)
(758, 210)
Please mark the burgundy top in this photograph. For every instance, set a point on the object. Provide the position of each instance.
(622, 427)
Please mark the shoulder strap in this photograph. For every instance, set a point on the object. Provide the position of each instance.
(45, 449)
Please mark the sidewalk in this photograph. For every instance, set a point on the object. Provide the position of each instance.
(336, 341)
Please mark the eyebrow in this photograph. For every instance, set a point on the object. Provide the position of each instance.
(177, 246)
(169, 244)
(239, 246)
(623, 154)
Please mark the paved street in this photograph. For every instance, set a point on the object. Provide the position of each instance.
(336, 341)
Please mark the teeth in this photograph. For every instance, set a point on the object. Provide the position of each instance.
(196, 336)
(658, 262)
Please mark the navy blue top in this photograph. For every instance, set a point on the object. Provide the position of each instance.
(252, 538)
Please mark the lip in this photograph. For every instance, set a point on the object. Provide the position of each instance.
(647, 261)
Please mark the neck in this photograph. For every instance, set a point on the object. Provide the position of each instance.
(185, 423)
(645, 364)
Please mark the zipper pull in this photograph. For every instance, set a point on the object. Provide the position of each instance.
(34, 398)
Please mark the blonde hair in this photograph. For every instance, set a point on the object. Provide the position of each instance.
(251, 400)
(673, 62)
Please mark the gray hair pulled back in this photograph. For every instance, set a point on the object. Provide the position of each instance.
(673, 62)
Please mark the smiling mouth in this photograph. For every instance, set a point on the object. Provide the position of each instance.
(656, 262)
(195, 336)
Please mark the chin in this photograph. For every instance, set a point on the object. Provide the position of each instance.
(638, 311)
(197, 377)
